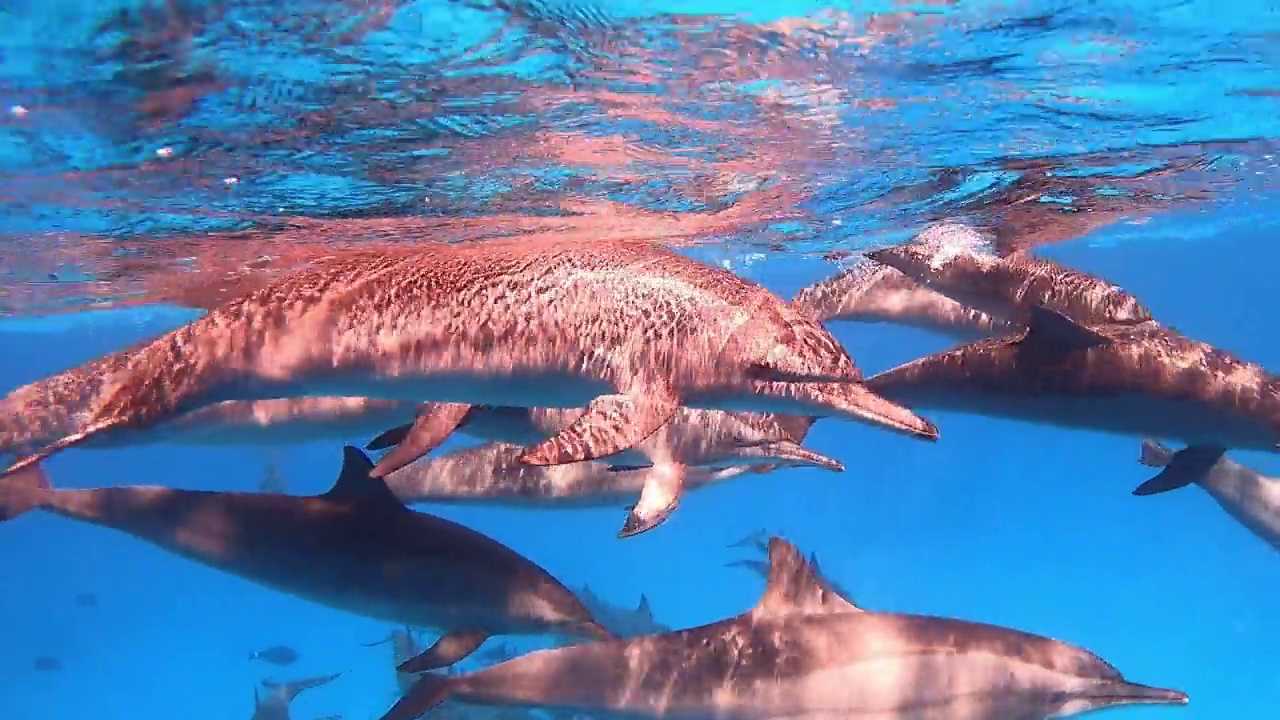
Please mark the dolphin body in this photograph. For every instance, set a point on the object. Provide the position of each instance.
(628, 329)
(956, 260)
(275, 704)
(355, 548)
(803, 652)
(1139, 380)
(695, 448)
(1250, 497)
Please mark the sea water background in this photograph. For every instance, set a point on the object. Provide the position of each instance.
(1018, 525)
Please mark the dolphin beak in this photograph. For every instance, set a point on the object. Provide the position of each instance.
(862, 405)
(1126, 693)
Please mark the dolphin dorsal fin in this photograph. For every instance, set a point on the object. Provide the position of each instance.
(793, 587)
(1051, 330)
(355, 485)
(643, 607)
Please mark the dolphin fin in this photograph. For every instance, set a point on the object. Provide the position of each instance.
(1187, 466)
(792, 452)
(663, 489)
(427, 693)
(758, 540)
(611, 423)
(429, 429)
(290, 690)
(759, 566)
(58, 446)
(1154, 454)
(1054, 333)
(644, 608)
(793, 587)
(447, 650)
(389, 438)
(23, 492)
(354, 483)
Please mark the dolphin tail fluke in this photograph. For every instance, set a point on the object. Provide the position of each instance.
(611, 424)
(431, 428)
(389, 438)
(663, 489)
(427, 693)
(449, 649)
(1154, 454)
(1188, 465)
(24, 491)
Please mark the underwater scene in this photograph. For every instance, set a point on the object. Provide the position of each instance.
(639, 360)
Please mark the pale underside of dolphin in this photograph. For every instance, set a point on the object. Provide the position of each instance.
(629, 330)
(1251, 498)
(957, 261)
(1134, 380)
(274, 705)
(803, 652)
(354, 548)
(695, 448)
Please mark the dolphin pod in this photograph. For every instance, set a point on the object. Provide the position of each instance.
(630, 330)
(803, 651)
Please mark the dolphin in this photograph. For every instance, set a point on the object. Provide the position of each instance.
(803, 652)
(629, 329)
(872, 292)
(1136, 380)
(1250, 497)
(404, 647)
(355, 548)
(759, 541)
(275, 704)
(708, 443)
(622, 621)
(957, 261)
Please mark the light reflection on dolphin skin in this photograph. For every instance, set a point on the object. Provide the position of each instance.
(803, 652)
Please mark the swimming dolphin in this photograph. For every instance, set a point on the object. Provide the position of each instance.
(275, 705)
(1250, 497)
(707, 443)
(803, 652)
(871, 292)
(630, 330)
(1136, 380)
(355, 548)
(957, 261)
(404, 647)
(622, 621)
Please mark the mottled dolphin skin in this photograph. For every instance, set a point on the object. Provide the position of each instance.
(707, 443)
(803, 652)
(275, 704)
(956, 261)
(354, 548)
(1134, 380)
(870, 292)
(631, 330)
(1250, 497)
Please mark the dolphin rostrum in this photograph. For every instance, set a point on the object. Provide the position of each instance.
(1250, 497)
(631, 330)
(956, 260)
(275, 704)
(803, 652)
(705, 443)
(1136, 380)
(355, 548)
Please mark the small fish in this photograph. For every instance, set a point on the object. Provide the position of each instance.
(86, 600)
(276, 655)
(46, 663)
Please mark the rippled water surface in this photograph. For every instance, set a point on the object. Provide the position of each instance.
(173, 154)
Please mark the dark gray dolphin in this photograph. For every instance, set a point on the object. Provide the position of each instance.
(355, 548)
(275, 704)
(1135, 380)
(803, 652)
(957, 261)
(706, 444)
(630, 330)
(1250, 497)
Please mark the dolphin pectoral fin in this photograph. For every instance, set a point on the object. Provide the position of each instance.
(663, 489)
(449, 649)
(427, 432)
(1049, 332)
(793, 453)
(611, 424)
(427, 692)
(389, 438)
(1187, 466)
(1154, 454)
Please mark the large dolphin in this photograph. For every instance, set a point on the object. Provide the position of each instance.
(1139, 380)
(631, 330)
(275, 704)
(355, 548)
(956, 260)
(1250, 497)
(705, 443)
(803, 652)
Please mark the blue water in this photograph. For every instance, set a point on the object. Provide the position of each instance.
(1136, 141)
